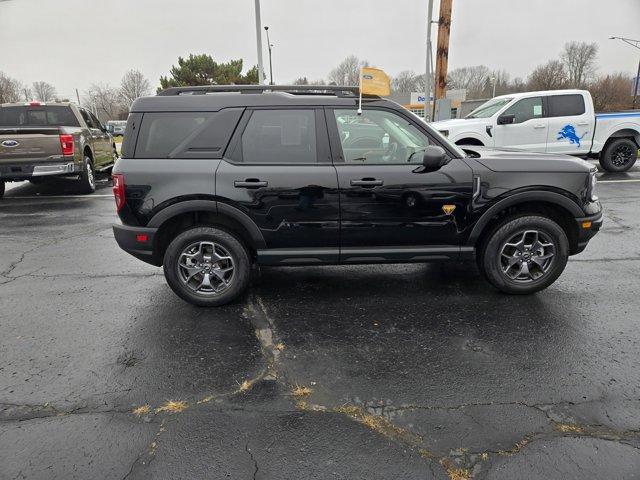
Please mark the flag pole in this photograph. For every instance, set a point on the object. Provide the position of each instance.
(360, 97)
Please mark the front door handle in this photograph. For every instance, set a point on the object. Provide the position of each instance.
(250, 183)
(582, 124)
(539, 125)
(367, 182)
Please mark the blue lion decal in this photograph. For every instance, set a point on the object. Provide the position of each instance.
(569, 132)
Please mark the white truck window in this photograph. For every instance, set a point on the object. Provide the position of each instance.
(525, 109)
(565, 105)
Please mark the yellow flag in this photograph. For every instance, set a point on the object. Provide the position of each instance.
(374, 81)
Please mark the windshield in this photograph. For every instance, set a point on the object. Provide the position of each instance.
(489, 108)
(38, 116)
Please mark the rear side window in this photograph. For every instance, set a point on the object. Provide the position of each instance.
(186, 134)
(566, 105)
(279, 136)
(38, 116)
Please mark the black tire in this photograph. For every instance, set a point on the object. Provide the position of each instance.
(230, 247)
(37, 180)
(87, 178)
(492, 262)
(1, 188)
(619, 155)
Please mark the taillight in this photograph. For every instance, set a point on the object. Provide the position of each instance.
(66, 142)
(118, 190)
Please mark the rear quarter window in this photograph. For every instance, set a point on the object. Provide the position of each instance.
(186, 134)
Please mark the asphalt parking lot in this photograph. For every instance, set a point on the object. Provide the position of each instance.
(372, 372)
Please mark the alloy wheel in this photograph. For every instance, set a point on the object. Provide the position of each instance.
(206, 268)
(527, 256)
(622, 155)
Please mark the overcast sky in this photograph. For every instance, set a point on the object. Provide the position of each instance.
(73, 43)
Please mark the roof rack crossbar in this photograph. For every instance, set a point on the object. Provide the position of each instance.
(339, 91)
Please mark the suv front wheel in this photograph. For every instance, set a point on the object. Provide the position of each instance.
(207, 267)
(524, 254)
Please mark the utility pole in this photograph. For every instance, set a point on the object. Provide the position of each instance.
(259, 43)
(429, 71)
(78, 97)
(266, 29)
(442, 56)
(636, 82)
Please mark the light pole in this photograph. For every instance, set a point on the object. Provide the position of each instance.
(493, 80)
(636, 82)
(266, 29)
(259, 43)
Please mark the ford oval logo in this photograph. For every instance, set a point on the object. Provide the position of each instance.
(10, 143)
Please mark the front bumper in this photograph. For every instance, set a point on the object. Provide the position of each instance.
(25, 171)
(137, 241)
(588, 226)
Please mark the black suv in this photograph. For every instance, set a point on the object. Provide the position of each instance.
(215, 179)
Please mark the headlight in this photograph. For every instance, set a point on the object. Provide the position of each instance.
(592, 187)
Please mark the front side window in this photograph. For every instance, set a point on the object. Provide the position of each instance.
(566, 105)
(378, 136)
(525, 109)
(279, 136)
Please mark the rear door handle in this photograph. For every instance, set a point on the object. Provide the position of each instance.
(582, 124)
(250, 183)
(540, 125)
(367, 182)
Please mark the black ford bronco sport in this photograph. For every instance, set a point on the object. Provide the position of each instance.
(215, 179)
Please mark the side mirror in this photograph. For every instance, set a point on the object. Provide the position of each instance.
(506, 119)
(434, 158)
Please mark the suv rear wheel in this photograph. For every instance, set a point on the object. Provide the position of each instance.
(1, 188)
(524, 254)
(207, 267)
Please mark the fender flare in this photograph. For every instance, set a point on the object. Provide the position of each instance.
(218, 208)
(522, 197)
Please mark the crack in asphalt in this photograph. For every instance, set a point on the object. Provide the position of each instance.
(378, 421)
(255, 463)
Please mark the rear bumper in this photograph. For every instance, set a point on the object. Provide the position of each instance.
(24, 171)
(137, 241)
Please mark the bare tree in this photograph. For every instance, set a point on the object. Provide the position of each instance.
(473, 79)
(133, 85)
(301, 81)
(550, 76)
(612, 92)
(45, 92)
(406, 82)
(10, 89)
(348, 71)
(105, 101)
(579, 59)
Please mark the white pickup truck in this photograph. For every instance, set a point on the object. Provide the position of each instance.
(558, 121)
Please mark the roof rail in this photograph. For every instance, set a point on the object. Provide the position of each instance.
(339, 91)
